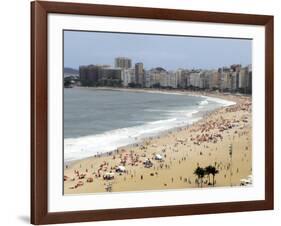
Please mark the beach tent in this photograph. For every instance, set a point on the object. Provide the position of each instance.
(158, 157)
(120, 169)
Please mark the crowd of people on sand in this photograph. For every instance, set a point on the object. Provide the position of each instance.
(212, 130)
(122, 162)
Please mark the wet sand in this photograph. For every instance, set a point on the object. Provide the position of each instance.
(182, 150)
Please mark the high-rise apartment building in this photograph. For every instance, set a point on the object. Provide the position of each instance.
(123, 62)
(139, 73)
(90, 74)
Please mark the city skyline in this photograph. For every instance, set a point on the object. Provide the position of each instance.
(169, 52)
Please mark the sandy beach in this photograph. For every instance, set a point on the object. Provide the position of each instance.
(173, 156)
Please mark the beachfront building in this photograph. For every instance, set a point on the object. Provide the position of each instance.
(128, 77)
(123, 62)
(245, 79)
(225, 79)
(249, 79)
(183, 78)
(234, 78)
(156, 77)
(139, 74)
(235, 67)
(146, 79)
(194, 79)
(111, 77)
(168, 79)
(204, 79)
(214, 79)
(172, 80)
(90, 74)
(164, 79)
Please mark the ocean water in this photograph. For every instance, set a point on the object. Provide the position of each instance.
(98, 121)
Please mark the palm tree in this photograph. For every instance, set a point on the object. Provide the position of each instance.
(214, 171)
(200, 173)
(208, 171)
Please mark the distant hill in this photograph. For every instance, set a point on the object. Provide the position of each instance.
(68, 70)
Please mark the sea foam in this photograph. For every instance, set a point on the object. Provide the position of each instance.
(86, 146)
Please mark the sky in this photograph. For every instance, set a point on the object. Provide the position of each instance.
(169, 52)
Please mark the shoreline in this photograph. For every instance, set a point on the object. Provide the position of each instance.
(175, 142)
(109, 153)
(206, 94)
(200, 113)
(203, 114)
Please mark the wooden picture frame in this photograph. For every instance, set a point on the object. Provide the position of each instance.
(39, 112)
